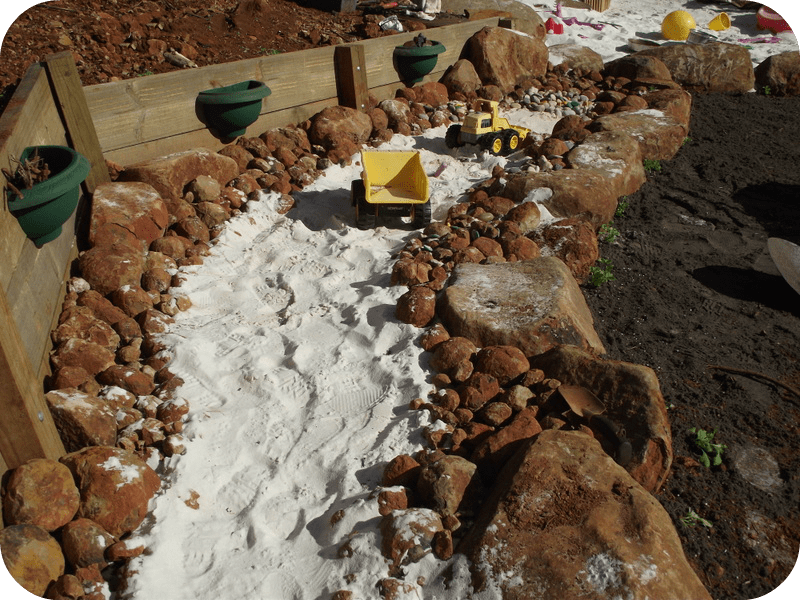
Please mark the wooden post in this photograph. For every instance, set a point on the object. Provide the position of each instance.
(68, 94)
(26, 428)
(351, 76)
(347, 6)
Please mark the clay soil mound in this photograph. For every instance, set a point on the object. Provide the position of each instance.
(695, 290)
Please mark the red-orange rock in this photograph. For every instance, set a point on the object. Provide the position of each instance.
(115, 486)
(32, 557)
(40, 492)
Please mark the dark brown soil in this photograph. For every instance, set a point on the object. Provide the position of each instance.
(696, 288)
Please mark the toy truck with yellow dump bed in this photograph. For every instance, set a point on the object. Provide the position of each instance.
(393, 183)
(488, 130)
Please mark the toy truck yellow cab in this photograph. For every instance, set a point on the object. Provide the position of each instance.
(392, 183)
(488, 130)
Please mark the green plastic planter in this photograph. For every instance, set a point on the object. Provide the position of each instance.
(229, 110)
(414, 62)
(43, 209)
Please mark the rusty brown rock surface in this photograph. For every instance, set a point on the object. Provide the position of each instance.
(82, 419)
(533, 305)
(40, 492)
(714, 67)
(169, 175)
(505, 58)
(32, 556)
(115, 487)
(134, 207)
(565, 521)
(633, 399)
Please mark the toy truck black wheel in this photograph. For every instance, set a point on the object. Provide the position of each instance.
(493, 142)
(365, 216)
(451, 138)
(422, 215)
(510, 141)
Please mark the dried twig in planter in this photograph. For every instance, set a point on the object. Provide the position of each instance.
(27, 174)
(736, 371)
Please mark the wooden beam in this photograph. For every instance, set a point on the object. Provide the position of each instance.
(26, 430)
(71, 101)
(351, 76)
(144, 117)
(30, 119)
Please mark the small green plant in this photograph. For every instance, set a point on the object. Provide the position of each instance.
(767, 90)
(608, 233)
(704, 440)
(600, 275)
(652, 165)
(145, 73)
(692, 518)
(686, 140)
(622, 206)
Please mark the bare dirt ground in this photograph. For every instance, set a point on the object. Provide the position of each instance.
(121, 39)
(694, 286)
(695, 289)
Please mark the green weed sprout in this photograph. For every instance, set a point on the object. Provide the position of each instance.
(622, 206)
(652, 165)
(608, 233)
(704, 440)
(600, 275)
(692, 518)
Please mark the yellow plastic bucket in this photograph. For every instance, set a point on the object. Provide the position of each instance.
(677, 25)
(719, 23)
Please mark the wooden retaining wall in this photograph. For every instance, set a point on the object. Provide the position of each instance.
(141, 118)
(128, 122)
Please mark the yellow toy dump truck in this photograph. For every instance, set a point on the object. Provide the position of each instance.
(488, 130)
(392, 183)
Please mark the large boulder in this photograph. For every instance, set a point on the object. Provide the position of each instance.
(340, 127)
(132, 207)
(576, 56)
(572, 240)
(674, 103)
(660, 136)
(506, 58)
(81, 419)
(638, 66)
(632, 397)
(32, 556)
(780, 73)
(569, 522)
(617, 154)
(40, 492)
(714, 67)
(564, 192)
(170, 175)
(462, 78)
(115, 486)
(533, 305)
(525, 18)
(108, 268)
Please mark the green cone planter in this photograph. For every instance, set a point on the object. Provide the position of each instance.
(228, 111)
(414, 62)
(43, 209)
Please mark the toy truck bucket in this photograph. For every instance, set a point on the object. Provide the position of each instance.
(394, 177)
